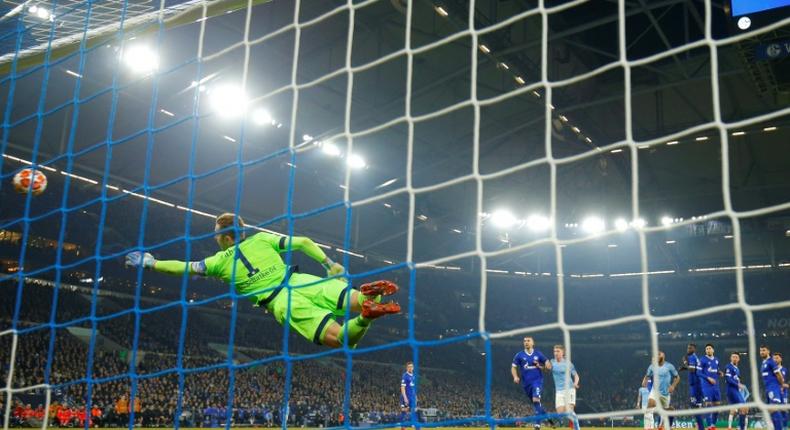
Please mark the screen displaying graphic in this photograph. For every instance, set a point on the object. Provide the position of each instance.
(744, 7)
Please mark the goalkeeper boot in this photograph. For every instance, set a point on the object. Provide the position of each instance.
(379, 288)
(372, 310)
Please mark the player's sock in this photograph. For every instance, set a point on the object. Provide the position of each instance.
(361, 298)
(538, 408)
(729, 420)
(715, 417)
(356, 327)
(700, 421)
(742, 421)
(649, 419)
(776, 418)
(575, 421)
(711, 421)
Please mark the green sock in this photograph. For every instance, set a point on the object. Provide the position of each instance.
(361, 298)
(354, 328)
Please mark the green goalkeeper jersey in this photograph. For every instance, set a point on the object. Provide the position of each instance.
(258, 265)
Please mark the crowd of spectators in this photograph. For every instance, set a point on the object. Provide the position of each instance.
(317, 391)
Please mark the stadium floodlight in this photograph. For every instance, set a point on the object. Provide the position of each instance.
(621, 224)
(665, 220)
(503, 218)
(538, 223)
(229, 101)
(387, 183)
(200, 87)
(593, 225)
(261, 117)
(638, 223)
(330, 148)
(40, 12)
(141, 59)
(744, 23)
(355, 161)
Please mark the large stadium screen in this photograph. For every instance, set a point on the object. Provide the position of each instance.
(745, 7)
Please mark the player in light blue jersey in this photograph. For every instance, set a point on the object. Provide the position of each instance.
(666, 379)
(563, 372)
(732, 375)
(783, 370)
(527, 370)
(773, 381)
(408, 397)
(691, 363)
(709, 377)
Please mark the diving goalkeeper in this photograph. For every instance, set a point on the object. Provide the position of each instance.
(262, 274)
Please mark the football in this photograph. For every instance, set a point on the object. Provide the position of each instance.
(23, 179)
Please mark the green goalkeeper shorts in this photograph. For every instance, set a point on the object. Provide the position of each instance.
(313, 306)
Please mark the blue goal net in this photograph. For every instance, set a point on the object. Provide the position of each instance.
(565, 173)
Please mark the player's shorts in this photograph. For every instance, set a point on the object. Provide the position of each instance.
(565, 397)
(312, 307)
(661, 399)
(534, 389)
(711, 394)
(695, 394)
(734, 396)
(774, 395)
(412, 404)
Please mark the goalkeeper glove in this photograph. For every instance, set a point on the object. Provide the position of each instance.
(140, 259)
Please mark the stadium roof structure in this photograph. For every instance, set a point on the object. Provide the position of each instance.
(156, 129)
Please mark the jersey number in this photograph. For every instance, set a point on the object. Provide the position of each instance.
(250, 270)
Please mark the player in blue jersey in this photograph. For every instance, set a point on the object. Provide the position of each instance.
(709, 378)
(773, 381)
(408, 398)
(527, 370)
(732, 375)
(778, 359)
(666, 378)
(566, 382)
(642, 400)
(691, 363)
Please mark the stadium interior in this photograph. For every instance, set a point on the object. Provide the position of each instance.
(399, 174)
